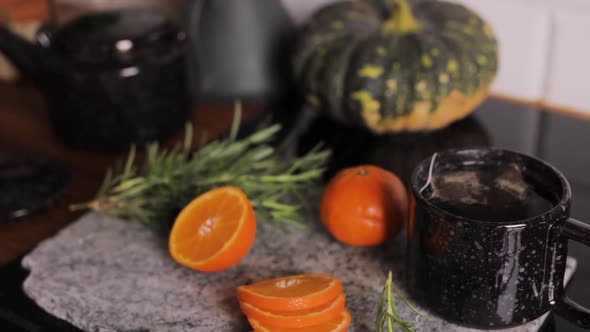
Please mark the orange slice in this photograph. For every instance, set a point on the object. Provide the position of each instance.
(214, 231)
(295, 319)
(291, 293)
(338, 324)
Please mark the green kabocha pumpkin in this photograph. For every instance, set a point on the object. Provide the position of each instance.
(396, 65)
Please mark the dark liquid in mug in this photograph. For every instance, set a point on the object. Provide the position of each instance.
(496, 193)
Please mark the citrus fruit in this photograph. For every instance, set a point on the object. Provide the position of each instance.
(214, 231)
(295, 319)
(364, 205)
(291, 293)
(338, 324)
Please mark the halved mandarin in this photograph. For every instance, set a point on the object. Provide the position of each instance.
(338, 324)
(291, 293)
(214, 231)
(295, 319)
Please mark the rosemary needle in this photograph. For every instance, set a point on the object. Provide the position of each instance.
(154, 193)
(387, 312)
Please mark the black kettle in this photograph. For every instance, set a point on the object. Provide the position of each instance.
(239, 48)
(111, 79)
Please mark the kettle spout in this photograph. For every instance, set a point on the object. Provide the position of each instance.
(25, 56)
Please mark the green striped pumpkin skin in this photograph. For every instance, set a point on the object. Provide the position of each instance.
(359, 63)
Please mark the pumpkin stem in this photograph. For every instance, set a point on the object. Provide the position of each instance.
(401, 20)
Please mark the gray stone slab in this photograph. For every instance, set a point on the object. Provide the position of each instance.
(103, 274)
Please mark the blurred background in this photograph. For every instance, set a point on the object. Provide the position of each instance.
(232, 53)
(543, 58)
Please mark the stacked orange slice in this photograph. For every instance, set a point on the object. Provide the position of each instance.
(297, 303)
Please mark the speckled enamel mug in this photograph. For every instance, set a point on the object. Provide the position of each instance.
(492, 274)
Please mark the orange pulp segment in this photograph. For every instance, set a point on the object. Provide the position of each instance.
(291, 293)
(214, 231)
(338, 324)
(295, 319)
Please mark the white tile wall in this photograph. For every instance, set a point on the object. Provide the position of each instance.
(561, 4)
(523, 32)
(569, 67)
(544, 53)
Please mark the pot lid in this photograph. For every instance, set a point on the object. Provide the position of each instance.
(124, 37)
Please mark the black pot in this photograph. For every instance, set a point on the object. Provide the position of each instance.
(111, 79)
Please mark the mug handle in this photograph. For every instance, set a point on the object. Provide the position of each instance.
(567, 308)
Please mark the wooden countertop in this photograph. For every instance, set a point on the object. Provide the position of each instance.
(25, 127)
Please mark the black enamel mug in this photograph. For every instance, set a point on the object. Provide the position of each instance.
(491, 273)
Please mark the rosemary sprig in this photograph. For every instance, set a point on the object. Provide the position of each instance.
(170, 178)
(387, 313)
